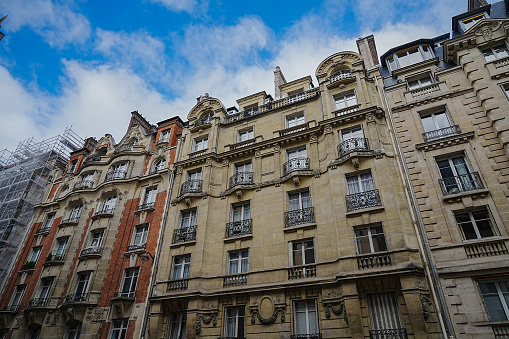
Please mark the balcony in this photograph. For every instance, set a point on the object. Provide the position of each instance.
(300, 217)
(486, 249)
(178, 284)
(235, 280)
(306, 336)
(57, 259)
(425, 90)
(358, 201)
(44, 230)
(136, 247)
(29, 265)
(125, 295)
(11, 308)
(238, 228)
(115, 175)
(399, 333)
(241, 178)
(441, 133)
(301, 272)
(184, 234)
(296, 164)
(353, 145)
(346, 110)
(461, 183)
(104, 212)
(69, 221)
(294, 129)
(191, 186)
(203, 121)
(83, 185)
(146, 206)
(91, 252)
(498, 67)
(500, 330)
(38, 302)
(340, 76)
(374, 260)
(75, 298)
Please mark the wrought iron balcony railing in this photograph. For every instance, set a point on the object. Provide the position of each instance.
(353, 145)
(127, 295)
(38, 302)
(104, 211)
(83, 185)
(191, 186)
(77, 297)
(29, 265)
(235, 280)
(115, 175)
(12, 308)
(92, 250)
(71, 220)
(54, 258)
(461, 183)
(441, 133)
(300, 272)
(241, 178)
(136, 247)
(299, 217)
(295, 164)
(184, 234)
(362, 200)
(146, 206)
(203, 121)
(399, 333)
(178, 284)
(238, 228)
(44, 230)
(306, 336)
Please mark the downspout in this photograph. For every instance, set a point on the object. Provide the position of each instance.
(431, 273)
(158, 248)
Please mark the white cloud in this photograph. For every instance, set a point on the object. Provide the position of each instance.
(55, 22)
(182, 5)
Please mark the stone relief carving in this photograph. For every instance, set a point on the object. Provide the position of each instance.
(426, 305)
(225, 162)
(17, 322)
(206, 320)
(337, 308)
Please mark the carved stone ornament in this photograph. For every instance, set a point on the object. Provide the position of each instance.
(425, 305)
(225, 162)
(278, 309)
(328, 129)
(208, 162)
(99, 314)
(206, 320)
(276, 148)
(188, 202)
(238, 193)
(486, 31)
(355, 163)
(337, 308)
(313, 138)
(179, 170)
(17, 322)
(370, 117)
(296, 181)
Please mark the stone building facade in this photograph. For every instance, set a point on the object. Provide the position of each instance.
(86, 264)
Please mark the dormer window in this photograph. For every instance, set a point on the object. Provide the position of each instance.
(495, 52)
(409, 56)
(469, 22)
(419, 82)
(165, 136)
(340, 75)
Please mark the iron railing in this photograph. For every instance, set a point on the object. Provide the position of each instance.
(115, 175)
(241, 178)
(38, 302)
(362, 200)
(92, 250)
(29, 265)
(191, 186)
(54, 258)
(72, 220)
(237, 228)
(441, 133)
(306, 336)
(128, 295)
(299, 217)
(146, 206)
(12, 308)
(136, 247)
(398, 333)
(295, 164)
(203, 121)
(104, 210)
(77, 297)
(461, 183)
(44, 230)
(184, 234)
(353, 145)
(83, 185)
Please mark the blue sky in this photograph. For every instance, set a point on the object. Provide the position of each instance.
(90, 63)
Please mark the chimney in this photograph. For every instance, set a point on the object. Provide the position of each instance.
(475, 4)
(367, 50)
(279, 79)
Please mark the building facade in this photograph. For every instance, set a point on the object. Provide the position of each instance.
(86, 264)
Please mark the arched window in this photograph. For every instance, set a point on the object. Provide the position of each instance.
(109, 204)
(160, 165)
(131, 144)
(63, 191)
(76, 212)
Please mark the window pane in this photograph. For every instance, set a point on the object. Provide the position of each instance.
(379, 243)
(468, 230)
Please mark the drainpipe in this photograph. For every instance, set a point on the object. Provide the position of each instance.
(158, 248)
(431, 272)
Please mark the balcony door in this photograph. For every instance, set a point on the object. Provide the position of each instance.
(82, 284)
(456, 174)
(360, 183)
(241, 212)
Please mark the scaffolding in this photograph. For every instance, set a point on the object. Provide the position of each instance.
(25, 175)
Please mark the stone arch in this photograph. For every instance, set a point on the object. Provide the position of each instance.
(209, 105)
(337, 62)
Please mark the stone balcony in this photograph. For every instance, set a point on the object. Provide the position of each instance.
(301, 272)
(498, 68)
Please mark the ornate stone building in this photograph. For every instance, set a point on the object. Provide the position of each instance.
(86, 263)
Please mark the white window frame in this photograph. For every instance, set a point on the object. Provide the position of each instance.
(418, 82)
(351, 133)
(76, 211)
(43, 291)
(298, 152)
(304, 244)
(239, 322)
(119, 328)
(177, 324)
(394, 63)
(140, 234)
(474, 222)
(501, 298)
(73, 331)
(183, 263)
(150, 195)
(299, 196)
(17, 296)
(61, 249)
(188, 220)
(436, 120)
(165, 136)
(118, 169)
(108, 203)
(360, 182)
(194, 174)
(200, 144)
(82, 277)
(160, 165)
(48, 221)
(371, 235)
(96, 238)
(35, 253)
(87, 176)
(295, 120)
(495, 52)
(73, 164)
(240, 258)
(129, 280)
(245, 211)
(245, 134)
(345, 100)
(309, 307)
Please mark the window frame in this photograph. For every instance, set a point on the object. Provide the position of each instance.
(164, 136)
(121, 326)
(493, 54)
(193, 213)
(65, 241)
(182, 324)
(200, 143)
(393, 63)
(344, 98)
(292, 251)
(36, 250)
(242, 205)
(370, 236)
(159, 165)
(149, 195)
(96, 239)
(242, 261)
(418, 79)
(301, 200)
(86, 285)
(307, 311)
(237, 318)
(144, 234)
(44, 292)
(298, 150)
(75, 212)
(249, 132)
(132, 281)
(474, 222)
(294, 119)
(74, 327)
(184, 274)
(19, 293)
(48, 220)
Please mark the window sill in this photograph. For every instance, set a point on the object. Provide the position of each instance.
(184, 243)
(238, 237)
(375, 209)
(445, 142)
(451, 198)
(299, 227)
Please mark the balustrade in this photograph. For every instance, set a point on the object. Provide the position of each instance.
(178, 284)
(306, 336)
(441, 133)
(235, 280)
(78, 297)
(128, 295)
(38, 302)
(82, 185)
(425, 90)
(146, 206)
(299, 217)
(374, 260)
(115, 175)
(300, 272)
(191, 186)
(136, 247)
(238, 228)
(241, 178)
(500, 331)
(486, 249)
(91, 251)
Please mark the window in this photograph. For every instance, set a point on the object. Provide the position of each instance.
(302, 252)
(72, 166)
(87, 177)
(73, 331)
(165, 136)
(82, 282)
(297, 153)
(456, 175)
(62, 193)
(345, 100)
(160, 165)
(34, 254)
(117, 171)
(193, 182)
(299, 200)
(469, 22)
(178, 322)
(305, 317)
(75, 213)
(370, 239)
(96, 238)
(409, 56)
(245, 135)
(419, 82)
(60, 247)
(475, 224)
(131, 144)
(295, 120)
(251, 110)
(150, 196)
(495, 295)
(241, 211)
(108, 205)
(119, 329)
(437, 125)
(200, 144)
(181, 266)
(194, 175)
(46, 225)
(234, 322)
(358, 183)
(238, 262)
(187, 218)
(128, 289)
(495, 52)
(352, 139)
(45, 287)
(34, 332)
(384, 314)
(16, 298)
(140, 235)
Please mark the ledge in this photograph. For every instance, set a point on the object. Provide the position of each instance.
(239, 237)
(189, 195)
(416, 66)
(299, 227)
(445, 142)
(458, 196)
(356, 154)
(375, 209)
(184, 243)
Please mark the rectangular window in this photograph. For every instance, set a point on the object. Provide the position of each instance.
(299, 200)
(302, 252)
(82, 282)
(295, 120)
(96, 238)
(34, 254)
(200, 144)
(383, 313)
(44, 289)
(46, 225)
(297, 153)
(165, 136)
(345, 100)
(495, 52)
(456, 175)
(409, 57)
(419, 82)
(118, 171)
(243, 167)
(17, 297)
(358, 183)
(475, 224)
(370, 239)
(60, 247)
(72, 166)
(150, 196)
(241, 211)
(128, 289)
(496, 297)
(352, 133)
(178, 322)
(140, 235)
(194, 175)
(238, 262)
(246, 134)
(352, 139)
(187, 218)
(181, 265)
(235, 322)
(119, 329)
(437, 125)
(305, 317)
